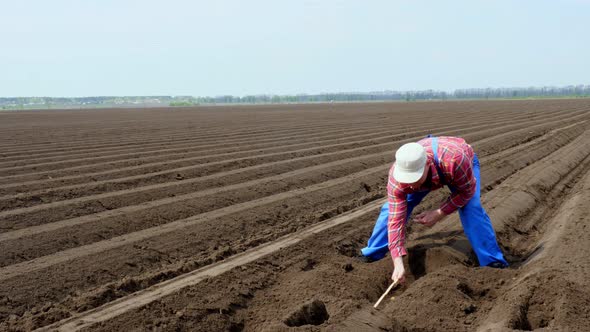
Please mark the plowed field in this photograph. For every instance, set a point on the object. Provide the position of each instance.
(250, 218)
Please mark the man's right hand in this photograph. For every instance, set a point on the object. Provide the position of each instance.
(399, 273)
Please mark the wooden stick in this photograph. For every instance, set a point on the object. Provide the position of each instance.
(384, 294)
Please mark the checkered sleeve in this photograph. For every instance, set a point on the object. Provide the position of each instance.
(396, 230)
(463, 180)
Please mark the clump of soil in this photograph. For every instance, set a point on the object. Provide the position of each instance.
(308, 265)
(348, 267)
(312, 313)
(348, 248)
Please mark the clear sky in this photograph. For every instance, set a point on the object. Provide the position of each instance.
(216, 47)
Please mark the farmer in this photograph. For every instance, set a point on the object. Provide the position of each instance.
(430, 164)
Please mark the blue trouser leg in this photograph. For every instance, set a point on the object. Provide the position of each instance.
(478, 227)
(377, 244)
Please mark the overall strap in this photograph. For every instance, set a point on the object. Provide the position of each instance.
(436, 164)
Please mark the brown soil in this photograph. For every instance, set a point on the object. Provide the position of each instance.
(250, 218)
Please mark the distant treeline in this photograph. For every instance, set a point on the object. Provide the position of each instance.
(137, 101)
(567, 91)
(543, 92)
(85, 102)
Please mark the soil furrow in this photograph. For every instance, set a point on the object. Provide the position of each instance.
(24, 185)
(71, 261)
(214, 165)
(111, 204)
(16, 214)
(182, 134)
(139, 252)
(29, 156)
(112, 164)
(135, 120)
(151, 294)
(17, 251)
(277, 124)
(254, 148)
(12, 247)
(358, 320)
(141, 298)
(134, 152)
(191, 145)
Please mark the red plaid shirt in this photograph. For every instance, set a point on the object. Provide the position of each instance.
(456, 164)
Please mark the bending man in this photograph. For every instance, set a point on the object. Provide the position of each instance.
(419, 168)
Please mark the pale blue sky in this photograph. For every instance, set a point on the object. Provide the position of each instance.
(216, 47)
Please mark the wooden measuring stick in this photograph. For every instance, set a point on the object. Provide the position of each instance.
(384, 294)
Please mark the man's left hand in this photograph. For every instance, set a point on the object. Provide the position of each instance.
(429, 218)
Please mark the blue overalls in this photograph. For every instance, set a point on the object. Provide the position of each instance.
(476, 222)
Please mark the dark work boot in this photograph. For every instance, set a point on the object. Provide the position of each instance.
(364, 259)
(497, 265)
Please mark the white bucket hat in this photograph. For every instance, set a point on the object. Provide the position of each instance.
(410, 160)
